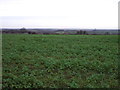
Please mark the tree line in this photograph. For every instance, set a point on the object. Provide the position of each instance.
(25, 31)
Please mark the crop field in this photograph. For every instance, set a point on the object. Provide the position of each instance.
(60, 61)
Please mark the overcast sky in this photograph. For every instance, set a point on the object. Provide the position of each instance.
(59, 14)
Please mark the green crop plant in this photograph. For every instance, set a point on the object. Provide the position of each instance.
(60, 61)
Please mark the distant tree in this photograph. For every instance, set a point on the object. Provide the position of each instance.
(84, 32)
(32, 32)
(107, 33)
(79, 32)
(23, 30)
(29, 32)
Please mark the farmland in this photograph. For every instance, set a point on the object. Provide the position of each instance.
(55, 61)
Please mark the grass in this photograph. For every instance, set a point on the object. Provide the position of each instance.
(60, 61)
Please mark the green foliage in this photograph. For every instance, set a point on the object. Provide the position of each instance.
(54, 61)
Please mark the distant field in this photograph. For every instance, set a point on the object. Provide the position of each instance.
(56, 61)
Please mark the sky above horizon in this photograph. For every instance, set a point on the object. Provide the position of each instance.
(99, 14)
